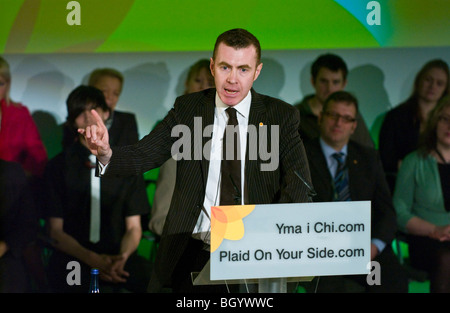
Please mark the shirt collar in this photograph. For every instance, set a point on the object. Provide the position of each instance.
(328, 151)
(243, 107)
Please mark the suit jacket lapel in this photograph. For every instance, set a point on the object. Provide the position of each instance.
(323, 179)
(206, 112)
(353, 169)
(257, 115)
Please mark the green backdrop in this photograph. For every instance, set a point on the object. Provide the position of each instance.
(40, 26)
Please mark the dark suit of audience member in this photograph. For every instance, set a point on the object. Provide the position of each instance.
(122, 202)
(366, 182)
(123, 130)
(18, 228)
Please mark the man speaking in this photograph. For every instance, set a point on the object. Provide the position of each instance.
(216, 178)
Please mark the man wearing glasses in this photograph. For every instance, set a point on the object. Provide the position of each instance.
(343, 170)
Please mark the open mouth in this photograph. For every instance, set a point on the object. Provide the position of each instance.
(230, 92)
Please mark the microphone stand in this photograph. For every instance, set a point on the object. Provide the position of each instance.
(311, 191)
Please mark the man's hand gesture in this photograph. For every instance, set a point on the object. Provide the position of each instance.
(97, 139)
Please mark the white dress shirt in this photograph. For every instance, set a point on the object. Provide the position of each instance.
(212, 197)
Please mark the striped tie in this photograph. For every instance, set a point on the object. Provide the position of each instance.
(341, 190)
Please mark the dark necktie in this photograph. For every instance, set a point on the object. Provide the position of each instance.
(230, 190)
(341, 190)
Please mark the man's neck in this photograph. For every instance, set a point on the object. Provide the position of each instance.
(245, 103)
(337, 146)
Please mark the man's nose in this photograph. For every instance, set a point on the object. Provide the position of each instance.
(231, 78)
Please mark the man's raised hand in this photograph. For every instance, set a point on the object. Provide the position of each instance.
(97, 139)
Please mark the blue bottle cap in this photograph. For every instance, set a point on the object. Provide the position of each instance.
(94, 271)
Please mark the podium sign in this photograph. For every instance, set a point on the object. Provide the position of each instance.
(290, 240)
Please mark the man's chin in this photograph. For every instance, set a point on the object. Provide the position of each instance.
(230, 101)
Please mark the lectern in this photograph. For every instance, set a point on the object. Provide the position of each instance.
(273, 245)
(264, 285)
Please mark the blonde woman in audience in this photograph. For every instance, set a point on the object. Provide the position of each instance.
(122, 125)
(20, 140)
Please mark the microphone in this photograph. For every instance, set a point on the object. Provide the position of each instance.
(311, 192)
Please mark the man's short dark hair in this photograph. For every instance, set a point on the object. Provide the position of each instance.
(330, 61)
(341, 96)
(238, 38)
(83, 98)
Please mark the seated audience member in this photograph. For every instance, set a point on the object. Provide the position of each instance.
(20, 140)
(357, 175)
(422, 199)
(328, 75)
(122, 126)
(103, 236)
(402, 125)
(18, 228)
(199, 78)
(19, 137)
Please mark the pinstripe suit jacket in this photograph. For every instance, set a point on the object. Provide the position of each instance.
(261, 187)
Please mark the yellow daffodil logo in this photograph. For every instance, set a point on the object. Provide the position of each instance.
(226, 223)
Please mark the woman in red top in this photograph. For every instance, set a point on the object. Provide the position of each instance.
(19, 137)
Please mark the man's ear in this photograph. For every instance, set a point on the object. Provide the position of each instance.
(355, 124)
(258, 71)
(312, 81)
(211, 66)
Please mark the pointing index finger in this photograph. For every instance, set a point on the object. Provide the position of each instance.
(97, 117)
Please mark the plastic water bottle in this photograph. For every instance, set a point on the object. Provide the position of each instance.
(94, 288)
